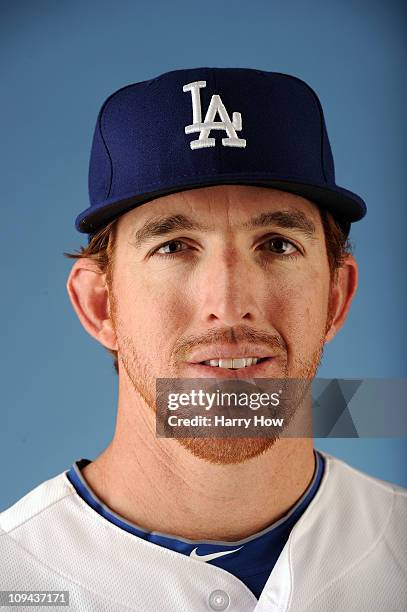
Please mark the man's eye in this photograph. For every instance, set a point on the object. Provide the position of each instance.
(172, 247)
(280, 246)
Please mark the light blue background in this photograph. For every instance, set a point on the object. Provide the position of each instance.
(59, 61)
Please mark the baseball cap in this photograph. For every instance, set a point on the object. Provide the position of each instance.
(200, 127)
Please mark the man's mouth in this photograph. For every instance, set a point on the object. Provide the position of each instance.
(233, 367)
(233, 363)
(227, 361)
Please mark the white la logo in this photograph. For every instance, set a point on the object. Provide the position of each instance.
(216, 106)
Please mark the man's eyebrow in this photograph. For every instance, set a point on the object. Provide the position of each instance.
(165, 225)
(288, 219)
(293, 219)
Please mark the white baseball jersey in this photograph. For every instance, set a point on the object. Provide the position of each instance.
(347, 552)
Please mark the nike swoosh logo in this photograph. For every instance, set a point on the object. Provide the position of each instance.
(210, 557)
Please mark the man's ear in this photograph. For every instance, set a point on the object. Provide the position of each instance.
(342, 292)
(89, 295)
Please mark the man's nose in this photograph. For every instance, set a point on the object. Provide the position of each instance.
(230, 289)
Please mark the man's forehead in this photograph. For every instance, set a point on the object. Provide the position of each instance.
(238, 206)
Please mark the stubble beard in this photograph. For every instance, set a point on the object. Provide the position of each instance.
(220, 450)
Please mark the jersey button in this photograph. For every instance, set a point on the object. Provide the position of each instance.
(219, 600)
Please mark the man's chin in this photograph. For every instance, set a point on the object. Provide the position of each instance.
(227, 451)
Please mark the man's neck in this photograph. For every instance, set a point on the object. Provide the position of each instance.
(160, 486)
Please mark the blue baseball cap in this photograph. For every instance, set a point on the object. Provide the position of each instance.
(200, 127)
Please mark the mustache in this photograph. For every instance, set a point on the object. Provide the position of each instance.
(232, 335)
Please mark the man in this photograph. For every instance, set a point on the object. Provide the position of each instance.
(217, 250)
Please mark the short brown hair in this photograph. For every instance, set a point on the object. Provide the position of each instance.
(101, 250)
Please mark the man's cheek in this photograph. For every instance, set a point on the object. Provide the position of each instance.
(160, 314)
(298, 310)
(159, 288)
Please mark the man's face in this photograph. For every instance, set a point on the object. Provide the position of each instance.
(220, 272)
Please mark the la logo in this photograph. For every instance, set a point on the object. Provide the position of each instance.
(216, 106)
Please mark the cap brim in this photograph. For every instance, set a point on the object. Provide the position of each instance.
(345, 206)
